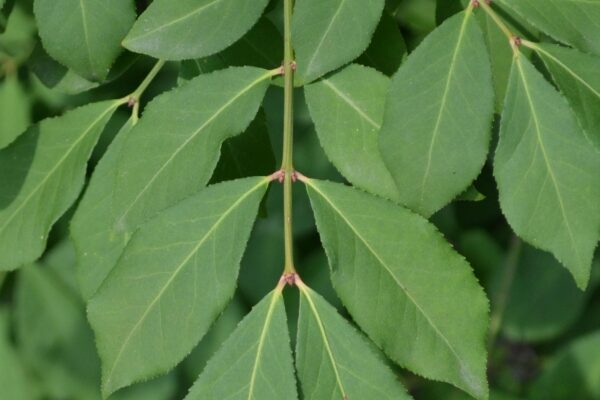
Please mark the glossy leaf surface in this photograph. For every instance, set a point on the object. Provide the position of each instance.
(573, 22)
(323, 38)
(334, 361)
(578, 76)
(255, 362)
(172, 281)
(181, 130)
(404, 285)
(192, 28)
(43, 172)
(347, 109)
(436, 129)
(84, 35)
(547, 172)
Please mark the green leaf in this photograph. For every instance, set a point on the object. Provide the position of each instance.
(546, 171)
(329, 34)
(260, 47)
(14, 110)
(192, 28)
(334, 361)
(543, 301)
(573, 22)
(97, 244)
(387, 49)
(255, 362)
(181, 130)
(43, 172)
(172, 281)
(13, 376)
(347, 109)
(404, 285)
(248, 154)
(578, 77)
(437, 124)
(574, 373)
(84, 35)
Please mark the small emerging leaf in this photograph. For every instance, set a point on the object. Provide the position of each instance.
(255, 362)
(404, 285)
(172, 281)
(329, 34)
(437, 124)
(84, 35)
(334, 361)
(41, 175)
(547, 172)
(187, 29)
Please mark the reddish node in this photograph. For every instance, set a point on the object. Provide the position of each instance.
(517, 41)
(294, 176)
(475, 3)
(131, 101)
(289, 278)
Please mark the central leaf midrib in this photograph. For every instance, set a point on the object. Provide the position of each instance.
(177, 20)
(321, 327)
(352, 104)
(320, 44)
(546, 159)
(276, 296)
(389, 271)
(178, 269)
(186, 142)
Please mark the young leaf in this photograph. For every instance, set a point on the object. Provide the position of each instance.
(574, 373)
(172, 281)
(329, 34)
(84, 35)
(98, 245)
(41, 174)
(573, 22)
(334, 361)
(169, 155)
(192, 28)
(546, 171)
(437, 123)
(347, 109)
(14, 110)
(404, 285)
(255, 362)
(578, 77)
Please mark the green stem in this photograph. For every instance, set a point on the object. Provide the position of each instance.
(498, 21)
(137, 93)
(287, 165)
(500, 298)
